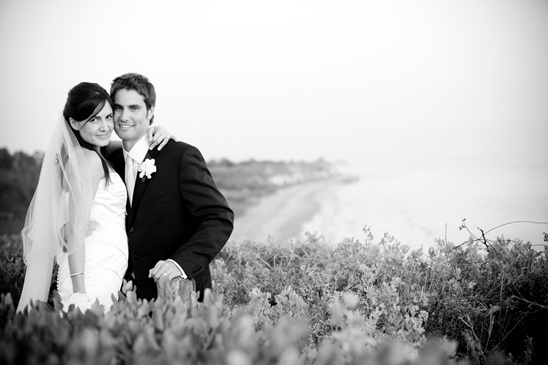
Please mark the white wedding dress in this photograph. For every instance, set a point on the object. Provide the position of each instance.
(106, 249)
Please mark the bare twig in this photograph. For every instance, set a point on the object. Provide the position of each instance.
(266, 263)
(486, 241)
(513, 328)
(529, 302)
(469, 325)
(464, 226)
(514, 222)
(483, 239)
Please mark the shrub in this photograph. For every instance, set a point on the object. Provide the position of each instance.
(355, 302)
(141, 332)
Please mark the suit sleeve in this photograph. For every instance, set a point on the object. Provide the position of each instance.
(210, 210)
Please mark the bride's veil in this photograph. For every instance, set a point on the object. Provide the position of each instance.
(58, 214)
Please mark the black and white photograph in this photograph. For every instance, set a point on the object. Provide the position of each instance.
(274, 182)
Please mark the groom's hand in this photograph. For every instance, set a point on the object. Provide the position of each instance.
(164, 268)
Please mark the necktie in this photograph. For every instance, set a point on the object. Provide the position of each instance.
(130, 177)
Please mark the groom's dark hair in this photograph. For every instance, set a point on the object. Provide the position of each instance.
(137, 82)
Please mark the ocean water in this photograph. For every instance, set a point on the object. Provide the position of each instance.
(417, 203)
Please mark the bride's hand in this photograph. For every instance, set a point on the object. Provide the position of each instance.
(80, 300)
(159, 136)
(92, 226)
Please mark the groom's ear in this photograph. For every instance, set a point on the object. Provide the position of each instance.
(150, 114)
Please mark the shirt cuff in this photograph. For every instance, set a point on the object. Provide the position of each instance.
(183, 275)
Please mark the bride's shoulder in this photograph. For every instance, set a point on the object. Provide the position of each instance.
(89, 156)
(92, 161)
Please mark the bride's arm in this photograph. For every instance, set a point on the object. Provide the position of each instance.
(79, 216)
(159, 137)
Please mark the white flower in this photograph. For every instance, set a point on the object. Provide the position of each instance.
(147, 168)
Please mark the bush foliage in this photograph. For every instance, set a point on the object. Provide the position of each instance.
(308, 302)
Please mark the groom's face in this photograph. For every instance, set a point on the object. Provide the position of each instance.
(131, 116)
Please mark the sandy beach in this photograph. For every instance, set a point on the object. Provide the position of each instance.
(415, 204)
(281, 216)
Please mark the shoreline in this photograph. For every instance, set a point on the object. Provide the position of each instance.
(282, 215)
(415, 204)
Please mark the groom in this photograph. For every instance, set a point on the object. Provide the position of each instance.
(177, 220)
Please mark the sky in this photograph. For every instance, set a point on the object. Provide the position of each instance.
(368, 81)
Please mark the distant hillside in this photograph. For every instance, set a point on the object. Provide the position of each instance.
(245, 182)
(242, 183)
(18, 178)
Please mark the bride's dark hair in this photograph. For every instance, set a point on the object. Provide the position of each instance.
(84, 102)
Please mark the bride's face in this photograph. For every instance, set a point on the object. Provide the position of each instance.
(98, 129)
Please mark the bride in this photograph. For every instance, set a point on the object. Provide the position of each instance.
(77, 215)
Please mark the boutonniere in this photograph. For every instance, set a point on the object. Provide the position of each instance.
(147, 168)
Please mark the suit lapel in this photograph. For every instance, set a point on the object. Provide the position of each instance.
(141, 185)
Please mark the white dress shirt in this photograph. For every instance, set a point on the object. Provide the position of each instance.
(138, 152)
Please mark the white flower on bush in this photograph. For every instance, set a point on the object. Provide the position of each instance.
(147, 168)
(351, 299)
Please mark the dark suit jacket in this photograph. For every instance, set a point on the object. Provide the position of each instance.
(177, 214)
